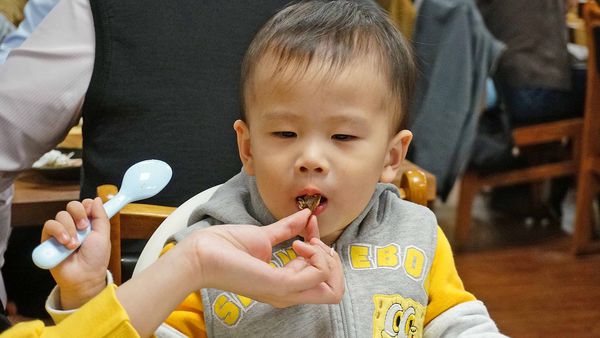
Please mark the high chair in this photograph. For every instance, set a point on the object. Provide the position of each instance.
(589, 171)
(158, 223)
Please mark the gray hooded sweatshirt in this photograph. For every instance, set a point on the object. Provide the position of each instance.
(386, 252)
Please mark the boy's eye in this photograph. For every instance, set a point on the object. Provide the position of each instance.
(284, 134)
(343, 137)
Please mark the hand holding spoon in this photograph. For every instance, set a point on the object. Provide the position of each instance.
(142, 180)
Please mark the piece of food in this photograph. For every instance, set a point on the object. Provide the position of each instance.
(56, 159)
(308, 201)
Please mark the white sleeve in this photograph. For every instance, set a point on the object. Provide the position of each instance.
(465, 320)
(166, 331)
(42, 86)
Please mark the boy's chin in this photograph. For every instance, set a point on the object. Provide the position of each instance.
(328, 234)
(330, 238)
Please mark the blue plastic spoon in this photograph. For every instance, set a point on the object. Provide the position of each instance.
(142, 180)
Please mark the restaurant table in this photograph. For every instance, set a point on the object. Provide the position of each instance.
(38, 199)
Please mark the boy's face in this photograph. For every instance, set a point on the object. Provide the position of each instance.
(320, 134)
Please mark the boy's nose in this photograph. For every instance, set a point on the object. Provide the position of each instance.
(312, 160)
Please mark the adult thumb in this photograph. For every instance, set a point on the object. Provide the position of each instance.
(288, 227)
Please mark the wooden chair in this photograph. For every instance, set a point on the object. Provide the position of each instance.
(135, 221)
(589, 170)
(527, 136)
(157, 223)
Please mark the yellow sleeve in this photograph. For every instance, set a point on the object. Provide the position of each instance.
(443, 283)
(188, 318)
(33, 328)
(103, 316)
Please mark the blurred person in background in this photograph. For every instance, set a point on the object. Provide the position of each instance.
(534, 75)
(18, 19)
(536, 83)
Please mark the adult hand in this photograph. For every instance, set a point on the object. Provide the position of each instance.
(82, 275)
(236, 258)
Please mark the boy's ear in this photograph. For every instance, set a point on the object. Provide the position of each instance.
(243, 141)
(397, 148)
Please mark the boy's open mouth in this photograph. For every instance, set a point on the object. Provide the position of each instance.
(310, 201)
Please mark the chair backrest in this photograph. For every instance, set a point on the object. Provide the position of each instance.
(412, 185)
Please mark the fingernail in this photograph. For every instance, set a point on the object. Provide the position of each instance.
(64, 238)
(303, 243)
(331, 252)
(73, 242)
(82, 224)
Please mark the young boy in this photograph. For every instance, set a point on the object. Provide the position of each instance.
(325, 89)
(326, 86)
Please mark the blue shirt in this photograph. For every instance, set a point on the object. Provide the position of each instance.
(35, 11)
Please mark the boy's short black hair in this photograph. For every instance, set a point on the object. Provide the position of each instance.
(334, 33)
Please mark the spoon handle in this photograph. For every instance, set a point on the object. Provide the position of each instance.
(115, 204)
(50, 253)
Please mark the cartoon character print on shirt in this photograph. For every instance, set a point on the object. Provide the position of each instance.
(395, 316)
